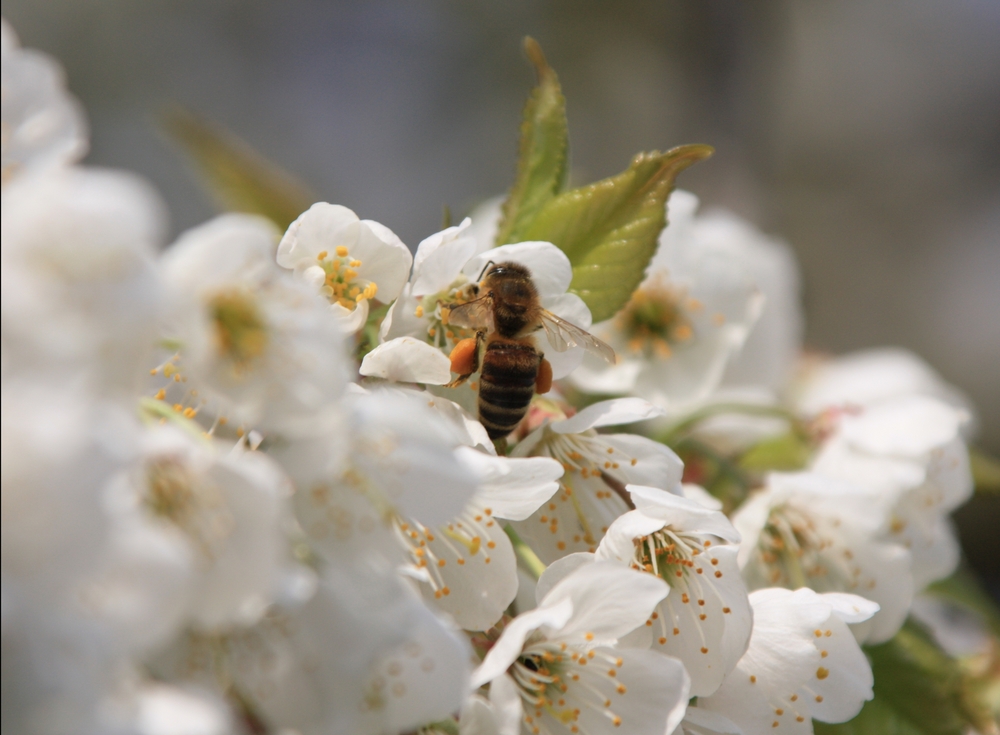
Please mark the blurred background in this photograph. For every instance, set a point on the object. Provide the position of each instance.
(865, 134)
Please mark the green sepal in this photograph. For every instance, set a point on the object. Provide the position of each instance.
(543, 153)
(919, 690)
(609, 229)
(239, 178)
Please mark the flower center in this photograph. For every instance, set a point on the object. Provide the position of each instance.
(557, 683)
(195, 508)
(341, 284)
(796, 549)
(667, 554)
(435, 307)
(240, 330)
(654, 320)
(434, 551)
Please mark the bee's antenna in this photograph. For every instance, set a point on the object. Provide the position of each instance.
(485, 268)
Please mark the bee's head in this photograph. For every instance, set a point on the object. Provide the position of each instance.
(506, 269)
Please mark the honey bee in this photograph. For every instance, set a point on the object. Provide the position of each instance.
(506, 311)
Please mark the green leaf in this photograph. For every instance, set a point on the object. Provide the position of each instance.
(609, 229)
(919, 690)
(541, 163)
(985, 471)
(239, 178)
(784, 453)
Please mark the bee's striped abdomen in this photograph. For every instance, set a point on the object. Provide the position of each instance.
(506, 385)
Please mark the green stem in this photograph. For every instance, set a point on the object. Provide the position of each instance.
(525, 553)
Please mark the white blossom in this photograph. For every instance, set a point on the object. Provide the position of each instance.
(43, 125)
(407, 360)
(688, 318)
(705, 621)
(437, 275)
(228, 508)
(468, 563)
(808, 530)
(802, 664)
(909, 448)
(81, 297)
(595, 464)
(447, 262)
(363, 655)
(351, 261)
(559, 665)
(865, 377)
(257, 340)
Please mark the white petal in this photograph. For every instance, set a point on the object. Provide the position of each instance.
(574, 518)
(681, 513)
(506, 650)
(167, 710)
(609, 600)
(385, 260)
(648, 695)
(322, 227)
(550, 268)
(865, 377)
(473, 433)
(701, 495)
(559, 570)
(440, 258)
(350, 320)
(479, 717)
(507, 702)
(851, 608)
(907, 426)
(643, 461)
(407, 360)
(406, 451)
(479, 570)
(785, 667)
(512, 488)
(708, 638)
(703, 722)
(425, 679)
(596, 376)
(607, 413)
(619, 540)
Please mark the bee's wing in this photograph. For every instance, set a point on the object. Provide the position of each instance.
(562, 335)
(475, 314)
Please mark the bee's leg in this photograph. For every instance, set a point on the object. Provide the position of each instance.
(543, 382)
(465, 358)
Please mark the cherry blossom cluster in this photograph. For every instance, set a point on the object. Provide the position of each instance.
(218, 517)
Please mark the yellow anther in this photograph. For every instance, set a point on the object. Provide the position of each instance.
(322, 255)
(341, 251)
